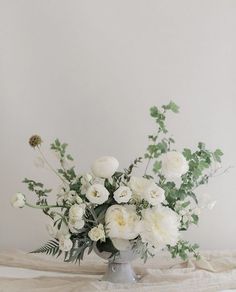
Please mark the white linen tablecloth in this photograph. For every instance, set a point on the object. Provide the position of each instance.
(216, 271)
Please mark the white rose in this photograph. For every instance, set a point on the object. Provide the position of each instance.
(65, 244)
(159, 227)
(85, 182)
(153, 194)
(18, 200)
(121, 221)
(97, 233)
(173, 164)
(105, 166)
(76, 213)
(97, 194)
(75, 226)
(122, 194)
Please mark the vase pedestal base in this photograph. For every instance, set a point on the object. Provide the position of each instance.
(119, 273)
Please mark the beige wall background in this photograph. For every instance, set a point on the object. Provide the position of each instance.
(88, 71)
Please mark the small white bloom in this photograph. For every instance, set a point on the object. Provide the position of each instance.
(86, 182)
(205, 201)
(97, 194)
(154, 195)
(97, 233)
(105, 166)
(18, 200)
(75, 226)
(121, 221)
(65, 244)
(122, 194)
(159, 226)
(173, 164)
(76, 213)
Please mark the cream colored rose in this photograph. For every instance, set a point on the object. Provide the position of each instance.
(121, 221)
(159, 227)
(105, 166)
(18, 200)
(97, 194)
(173, 164)
(122, 194)
(97, 233)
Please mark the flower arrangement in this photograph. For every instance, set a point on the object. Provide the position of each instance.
(115, 210)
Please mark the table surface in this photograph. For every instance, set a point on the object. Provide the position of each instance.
(216, 271)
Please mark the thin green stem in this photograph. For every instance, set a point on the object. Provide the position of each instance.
(44, 206)
(146, 169)
(49, 165)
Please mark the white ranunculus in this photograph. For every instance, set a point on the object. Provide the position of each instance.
(153, 194)
(97, 233)
(138, 185)
(86, 182)
(122, 194)
(159, 226)
(18, 200)
(75, 226)
(121, 221)
(65, 243)
(173, 164)
(97, 194)
(76, 213)
(146, 189)
(121, 244)
(105, 166)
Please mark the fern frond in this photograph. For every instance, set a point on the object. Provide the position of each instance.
(50, 248)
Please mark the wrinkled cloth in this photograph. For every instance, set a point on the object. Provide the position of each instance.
(19, 271)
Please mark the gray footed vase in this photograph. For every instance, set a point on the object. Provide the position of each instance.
(119, 269)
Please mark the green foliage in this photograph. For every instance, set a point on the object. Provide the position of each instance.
(129, 170)
(50, 248)
(41, 193)
(157, 166)
(60, 148)
(80, 244)
(141, 249)
(184, 249)
(171, 106)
